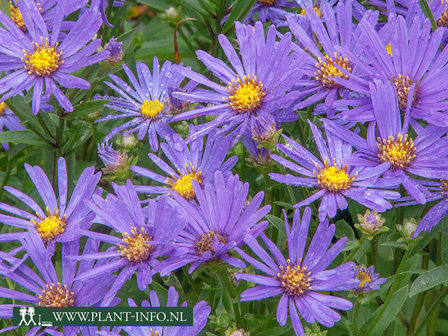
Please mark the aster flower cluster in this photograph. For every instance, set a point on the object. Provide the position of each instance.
(290, 154)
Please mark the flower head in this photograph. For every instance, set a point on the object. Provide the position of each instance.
(368, 279)
(257, 85)
(335, 179)
(211, 234)
(146, 235)
(189, 162)
(45, 288)
(40, 60)
(390, 142)
(117, 163)
(60, 219)
(300, 278)
(371, 223)
(146, 102)
(115, 52)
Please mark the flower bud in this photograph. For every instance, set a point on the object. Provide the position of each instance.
(117, 164)
(128, 141)
(171, 16)
(371, 223)
(236, 332)
(408, 228)
(115, 52)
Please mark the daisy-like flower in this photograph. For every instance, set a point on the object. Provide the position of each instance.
(323, 62)
(406, 55)
(146, 234)
(270, 10)
(390, 142)
(9, 121)
(45, 288)
(200, 313)
(258, 84)
(38, 60)
(217, 222)
(189, 162)
(368, 279)
(60, 219)
(335, 180)
(300, 278)
(145, 102)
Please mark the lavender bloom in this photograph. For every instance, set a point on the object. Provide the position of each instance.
(388, 142)
(335, 180)
(146, 234)
(419, 78)
(45, 288)
(200, 313)
(338, 31)
(9, 121)
(299, 278)
(188, 162)
(115, 52)
(272, 10)
(39, 60)
(59, 221)
(146, 102)
(211, 234)
(368, 279)
(117, 163)
(254, 88)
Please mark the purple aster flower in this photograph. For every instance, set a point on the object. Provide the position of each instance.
(9, 121)
(256, 86)
(117, 163)
(61, 219)
(146, 234)
(272, 10)
(390, 142)
(336, 181)
(38, 60)
(217, 222)
(115, 52)
(323, 62)
(368, 279)
(146, 102)
(300, 278)
(200, 313)
(419, 79)
(45, 288)
(189, 162)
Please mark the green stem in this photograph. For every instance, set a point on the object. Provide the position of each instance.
(355, 318)
(5, 176)
(436, 304)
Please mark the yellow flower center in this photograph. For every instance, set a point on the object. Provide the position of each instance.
(3, 108)
(56, 296)
(363, 278)
(327, 68)
(246, 95)
(151, 109)
(44, 60)
(50, 226)
(333, 178)
(205, 243)
(317, 10)
(267, 2)
(398, 152)
(295, 279)
(403, 85)
(136, 247)
(443, 19)
(16, 17)
(389, 49)
(182, 185)
(153, 333)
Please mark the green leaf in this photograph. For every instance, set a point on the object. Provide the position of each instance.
(240, 10)
(427, 11)
(23, 137)
(377, 324)
(86, 108)
(430, 279)
(344, 230)
(277, 222)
